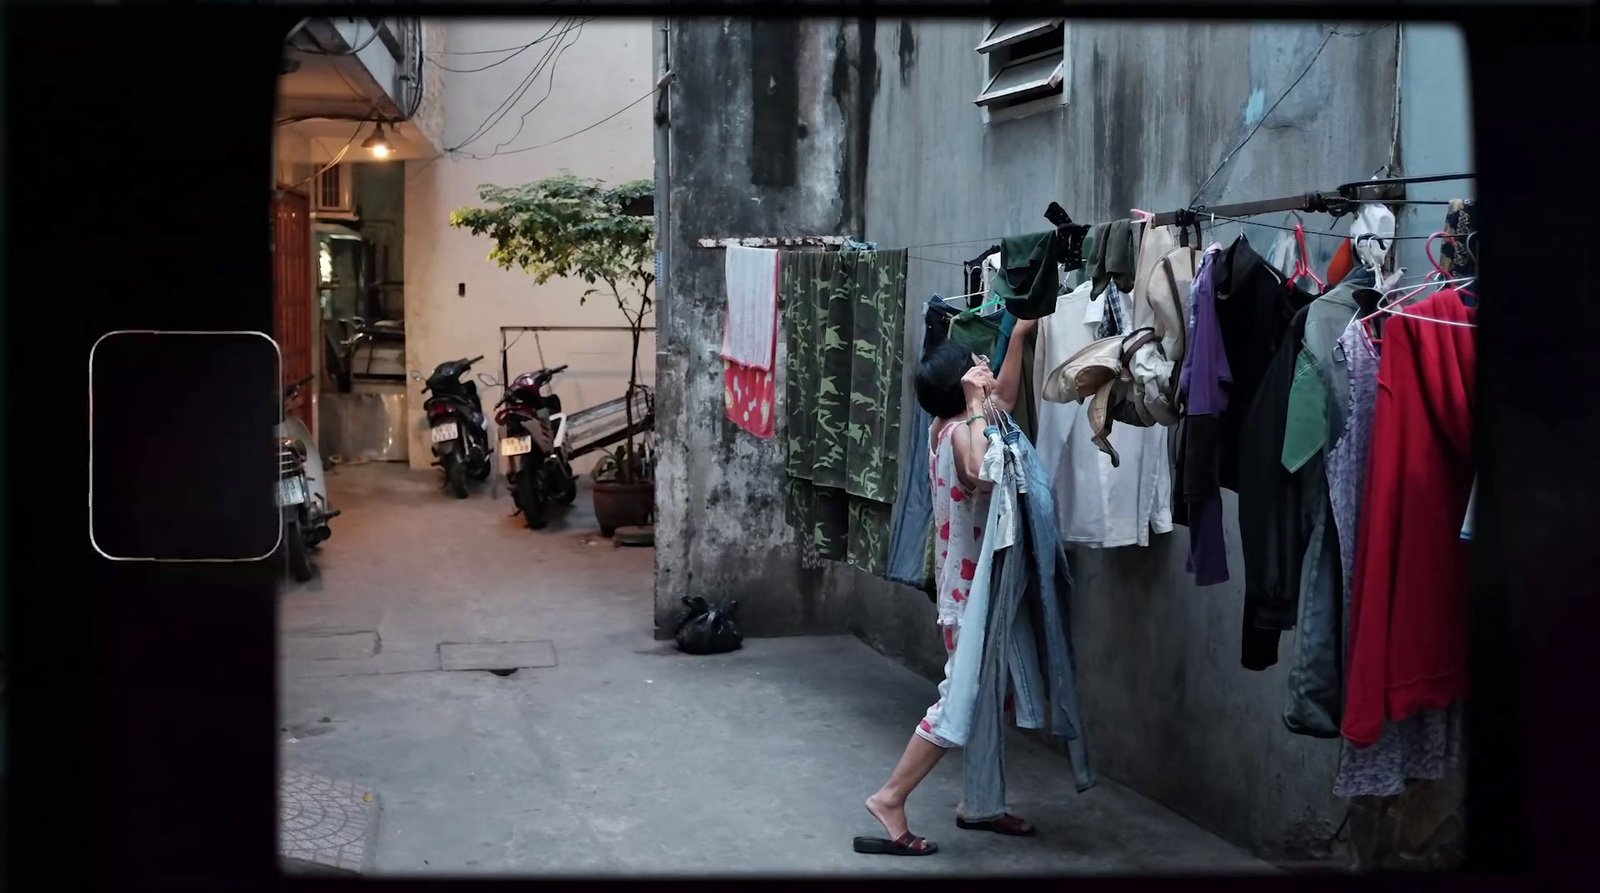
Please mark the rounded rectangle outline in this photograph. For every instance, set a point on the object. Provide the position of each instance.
(277, 351)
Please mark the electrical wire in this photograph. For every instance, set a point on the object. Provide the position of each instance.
(506, 105)
(1256, 129)
(584, 130)
(549, 90)
(1373, 30)
(490, 120)
(336, 159)
(515, 51)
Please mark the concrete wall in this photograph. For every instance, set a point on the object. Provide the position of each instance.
(1150, 111)
(758, 142)
(607, 67)
(1435, 130)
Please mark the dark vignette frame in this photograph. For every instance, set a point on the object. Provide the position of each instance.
(142, 702)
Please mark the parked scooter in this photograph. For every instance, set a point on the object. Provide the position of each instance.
(538, 469)
(302, 489)
(455, 420)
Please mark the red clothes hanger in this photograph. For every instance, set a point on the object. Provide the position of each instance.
(1302, 269)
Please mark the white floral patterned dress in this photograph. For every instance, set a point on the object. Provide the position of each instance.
(959, 514)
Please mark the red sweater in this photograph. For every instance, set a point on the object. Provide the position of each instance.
(1408, 611)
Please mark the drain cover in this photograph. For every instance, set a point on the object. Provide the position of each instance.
(496, 656)
(331, 646)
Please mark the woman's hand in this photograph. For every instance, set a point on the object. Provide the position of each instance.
(978, 383)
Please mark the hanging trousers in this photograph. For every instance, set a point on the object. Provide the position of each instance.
(1026, 618)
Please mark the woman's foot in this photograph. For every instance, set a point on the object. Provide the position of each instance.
(890, 814)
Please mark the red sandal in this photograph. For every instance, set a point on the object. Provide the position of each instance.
(907, 844)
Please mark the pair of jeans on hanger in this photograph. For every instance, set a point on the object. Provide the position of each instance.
(1020, 586)
(913, 514)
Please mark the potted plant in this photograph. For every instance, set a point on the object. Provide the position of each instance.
(566, 226)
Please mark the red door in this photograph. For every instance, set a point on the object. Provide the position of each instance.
(292, 292)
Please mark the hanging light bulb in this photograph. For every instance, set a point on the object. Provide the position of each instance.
(377, 144)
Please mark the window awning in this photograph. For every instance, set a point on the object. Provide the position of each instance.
(1023, 79)
(1010, 31)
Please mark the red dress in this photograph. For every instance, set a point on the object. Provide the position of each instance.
(1408, 614)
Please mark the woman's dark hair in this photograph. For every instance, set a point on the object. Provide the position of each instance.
(938, 379)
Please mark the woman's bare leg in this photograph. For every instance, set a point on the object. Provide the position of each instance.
(888, 805)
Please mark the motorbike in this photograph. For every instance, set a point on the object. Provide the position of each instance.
(455, 421)
(302, 490)
(538, 467)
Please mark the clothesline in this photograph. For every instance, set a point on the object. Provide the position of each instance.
(1208, 218)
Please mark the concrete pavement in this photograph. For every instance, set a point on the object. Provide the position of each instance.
(627, 757)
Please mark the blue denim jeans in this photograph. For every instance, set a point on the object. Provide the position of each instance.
(1316, 679)
(913, 516)
(913, 512)
(1016, 591)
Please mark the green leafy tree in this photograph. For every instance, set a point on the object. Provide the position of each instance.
(566, 226)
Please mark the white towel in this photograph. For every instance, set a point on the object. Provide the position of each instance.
(752, 276)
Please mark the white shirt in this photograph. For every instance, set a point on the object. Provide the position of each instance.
(1096, 504)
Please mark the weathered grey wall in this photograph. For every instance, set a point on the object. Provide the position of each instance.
(757, 144)
(1435, 130)
(1151, 110)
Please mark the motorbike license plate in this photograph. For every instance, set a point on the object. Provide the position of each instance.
(291, 491)
(516, 446)
(444, 432)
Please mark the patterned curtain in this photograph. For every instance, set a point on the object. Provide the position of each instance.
(843, 312)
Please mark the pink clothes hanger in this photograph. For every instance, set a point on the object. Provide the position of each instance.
(1302, 269)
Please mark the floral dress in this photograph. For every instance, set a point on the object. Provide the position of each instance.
(959, 514)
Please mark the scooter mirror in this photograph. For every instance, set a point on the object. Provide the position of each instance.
(488, 380)
(415, 375)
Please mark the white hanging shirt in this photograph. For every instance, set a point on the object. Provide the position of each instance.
(1096, 504)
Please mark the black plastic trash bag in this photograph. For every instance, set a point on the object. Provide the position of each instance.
(708, 628)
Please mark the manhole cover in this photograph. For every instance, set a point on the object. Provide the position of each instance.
(324, 823)
(496, 656)
(336, 646)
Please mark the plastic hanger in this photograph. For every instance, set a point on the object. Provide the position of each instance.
(1427, 248)
(1391, 307)
(1302, 269)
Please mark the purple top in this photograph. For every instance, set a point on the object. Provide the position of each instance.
(1205, 372)
(1205, 364)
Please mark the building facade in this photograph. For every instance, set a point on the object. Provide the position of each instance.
(942, 136)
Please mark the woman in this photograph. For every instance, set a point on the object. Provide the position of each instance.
(956, 388)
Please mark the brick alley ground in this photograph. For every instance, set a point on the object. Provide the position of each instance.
(625, 756)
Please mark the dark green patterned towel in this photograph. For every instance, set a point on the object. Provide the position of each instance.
(843, 312)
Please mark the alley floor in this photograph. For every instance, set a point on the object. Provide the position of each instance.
(626, 756)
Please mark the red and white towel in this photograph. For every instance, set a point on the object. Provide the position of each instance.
(750, 339)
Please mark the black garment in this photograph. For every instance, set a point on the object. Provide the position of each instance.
(1274, 525)
(936, 322)
(1030, 278)
(974, 270)
(1255, 306)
